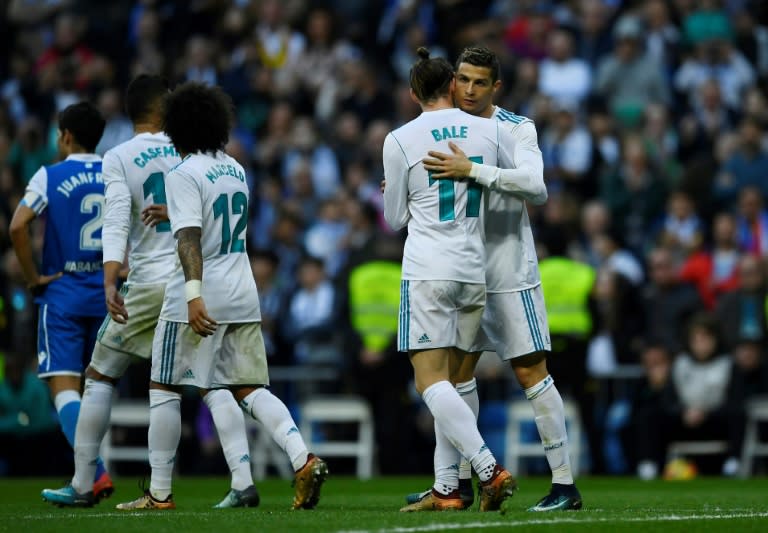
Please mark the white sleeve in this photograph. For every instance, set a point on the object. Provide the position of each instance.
(117, 215)
(525, 176)
(185, 201)
(36, 193)
(396, 169)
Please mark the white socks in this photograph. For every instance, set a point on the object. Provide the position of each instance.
(230, 425)
(550, 420)
(455, 419)
(92, 425)
(468, 392)
(272, 413)
(163, 439)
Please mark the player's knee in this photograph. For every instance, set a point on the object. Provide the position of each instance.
(92, 373)
(530, 369)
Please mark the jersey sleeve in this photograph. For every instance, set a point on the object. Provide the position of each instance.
(185, 201)
(36, 193)
(396, 210)
(117, 216)
(523, 174)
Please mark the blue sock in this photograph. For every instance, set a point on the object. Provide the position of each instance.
(68, 407)
(68, 419)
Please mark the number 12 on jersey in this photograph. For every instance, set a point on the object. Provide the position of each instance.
(447, 195)
(231, 243)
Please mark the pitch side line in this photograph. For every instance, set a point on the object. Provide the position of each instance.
(523, 523)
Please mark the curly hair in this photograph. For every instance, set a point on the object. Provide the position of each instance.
(198, 118)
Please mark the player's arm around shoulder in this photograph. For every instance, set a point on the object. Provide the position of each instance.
(396, 169)
(522, 168)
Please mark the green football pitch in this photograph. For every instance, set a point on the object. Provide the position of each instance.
(610, 504)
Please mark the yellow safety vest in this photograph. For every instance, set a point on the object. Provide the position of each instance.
(374, 300)
(567, 285)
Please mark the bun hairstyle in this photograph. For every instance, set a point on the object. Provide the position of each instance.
(430, 77)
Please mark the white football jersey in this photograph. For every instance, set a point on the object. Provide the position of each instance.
(134, 178)
(444, 217)
(210, 192)
(511, 262)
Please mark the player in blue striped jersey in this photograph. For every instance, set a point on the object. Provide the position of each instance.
(68, 288)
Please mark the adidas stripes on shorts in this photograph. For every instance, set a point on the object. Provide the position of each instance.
(514, 324)
(118, 344)
(233, 355)
(439, 314)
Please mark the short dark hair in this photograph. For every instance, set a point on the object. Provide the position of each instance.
(198, 118)
(144, 94)
(430, 78)
(480, 56)
(84, 122)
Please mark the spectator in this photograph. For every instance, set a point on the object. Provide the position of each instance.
(634, 192)
(752, 222)
(714, 271)
(715, 58)
(562, 77)
(701, 401)
(668, 302)
(682, 230)
(312, 313)
(662, 36)
(647, 403)
(273, 299)
(742, 311)
(567, 150)
(593, 32)
(118, 129)
(746, 167)
(709, 118)
(324, 238)
(749, 358)
(628, 78)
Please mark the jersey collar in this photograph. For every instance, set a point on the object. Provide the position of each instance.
(85, 158)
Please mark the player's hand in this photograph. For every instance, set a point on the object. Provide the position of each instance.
(37, 287)
(453, 166)
(201, 323)
(115, 305)
(154, 214)
(383, 185)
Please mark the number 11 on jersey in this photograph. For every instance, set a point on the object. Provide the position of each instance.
(447, 195)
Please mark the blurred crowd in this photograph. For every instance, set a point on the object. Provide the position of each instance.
(653, 124)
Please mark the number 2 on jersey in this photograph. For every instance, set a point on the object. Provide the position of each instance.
(154, 186)
(221, 209)
(447, 195)
(90, 203)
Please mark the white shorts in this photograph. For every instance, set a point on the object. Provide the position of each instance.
(118, 344)
(439, 314)
(514, 324)
(233, 355)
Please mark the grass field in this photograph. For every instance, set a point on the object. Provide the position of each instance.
(610, 504)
